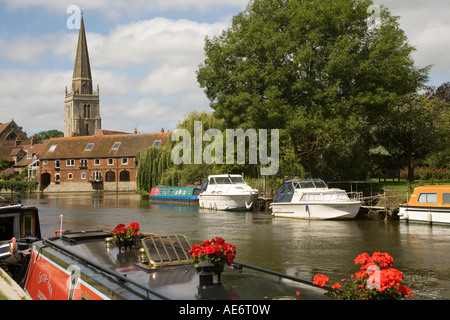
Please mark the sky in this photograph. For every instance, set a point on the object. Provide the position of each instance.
(144, 55)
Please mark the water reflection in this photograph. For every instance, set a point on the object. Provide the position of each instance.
(297, 247)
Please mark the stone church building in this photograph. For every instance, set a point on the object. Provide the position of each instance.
(82, 104)
(88, 157)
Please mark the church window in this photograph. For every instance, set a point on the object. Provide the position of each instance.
(87, 111)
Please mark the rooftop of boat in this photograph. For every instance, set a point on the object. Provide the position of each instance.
(159, 268)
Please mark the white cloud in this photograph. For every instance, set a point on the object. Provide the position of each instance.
(120, 9)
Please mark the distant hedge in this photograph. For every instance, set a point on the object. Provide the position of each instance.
(19, 186)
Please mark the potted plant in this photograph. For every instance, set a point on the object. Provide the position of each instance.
(376, 280)
(126, 236)
(215, 251)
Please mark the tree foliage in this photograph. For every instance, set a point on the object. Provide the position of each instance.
(45, 135)
(315, 70)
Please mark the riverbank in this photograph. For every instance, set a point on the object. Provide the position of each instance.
(9, 289)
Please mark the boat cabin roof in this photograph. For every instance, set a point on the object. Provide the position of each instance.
(159, 268)
(431, 195)
(286, 191)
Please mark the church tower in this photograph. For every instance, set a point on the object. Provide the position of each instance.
(82, 104)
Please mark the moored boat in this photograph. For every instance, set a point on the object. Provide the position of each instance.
(90, 265)
(175, 194)
(19, 228)
(312, 199)
(227, 192)
(428, 204)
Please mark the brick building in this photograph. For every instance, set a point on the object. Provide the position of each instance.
(103, 161)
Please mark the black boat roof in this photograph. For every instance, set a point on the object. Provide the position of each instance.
(159, 268)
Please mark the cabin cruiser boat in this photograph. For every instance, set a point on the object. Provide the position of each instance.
(429, 204)
(227, 192)
(312, 199)
(90, 265)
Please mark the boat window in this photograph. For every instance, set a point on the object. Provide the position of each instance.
(312, 197)
(307, 184)
(446, 198)
(223, 180)
(237, 180)
(320, 184)
(427, 198)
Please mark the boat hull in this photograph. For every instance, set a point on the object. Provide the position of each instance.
(316, 211)
(431, 215)
(237, 202)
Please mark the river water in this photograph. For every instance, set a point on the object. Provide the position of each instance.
(296, 247)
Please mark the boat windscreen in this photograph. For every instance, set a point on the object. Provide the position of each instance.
(236, 180)
(285, 193)
(167, 250)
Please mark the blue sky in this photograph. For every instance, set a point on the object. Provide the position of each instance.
(144, 55)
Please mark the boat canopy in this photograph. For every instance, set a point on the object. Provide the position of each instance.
(286, 191)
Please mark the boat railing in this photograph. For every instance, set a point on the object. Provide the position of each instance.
(355, 195)
(240, 265)
(150, 293)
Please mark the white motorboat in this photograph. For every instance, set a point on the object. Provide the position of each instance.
(227, 192)
(312, 199)
(429, 204)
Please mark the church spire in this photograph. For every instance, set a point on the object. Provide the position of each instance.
(82, 79)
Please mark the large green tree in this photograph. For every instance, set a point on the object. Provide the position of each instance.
(318, 70)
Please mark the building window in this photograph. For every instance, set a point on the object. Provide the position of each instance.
(70, 162)
(110, 161)
(96, 176)
(110, 176)
(87, 111)
(124, 161)
(156, 143)
(83, 175)
(89, 146)
(70, 176)
(116, 145)
(97, 161)
(57, 178)
(57, 162)
(124, 176)
(52, 148)
(83, 163)
(45, 162)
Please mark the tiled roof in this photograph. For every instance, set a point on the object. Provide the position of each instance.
(75, 147)
(36, 149)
